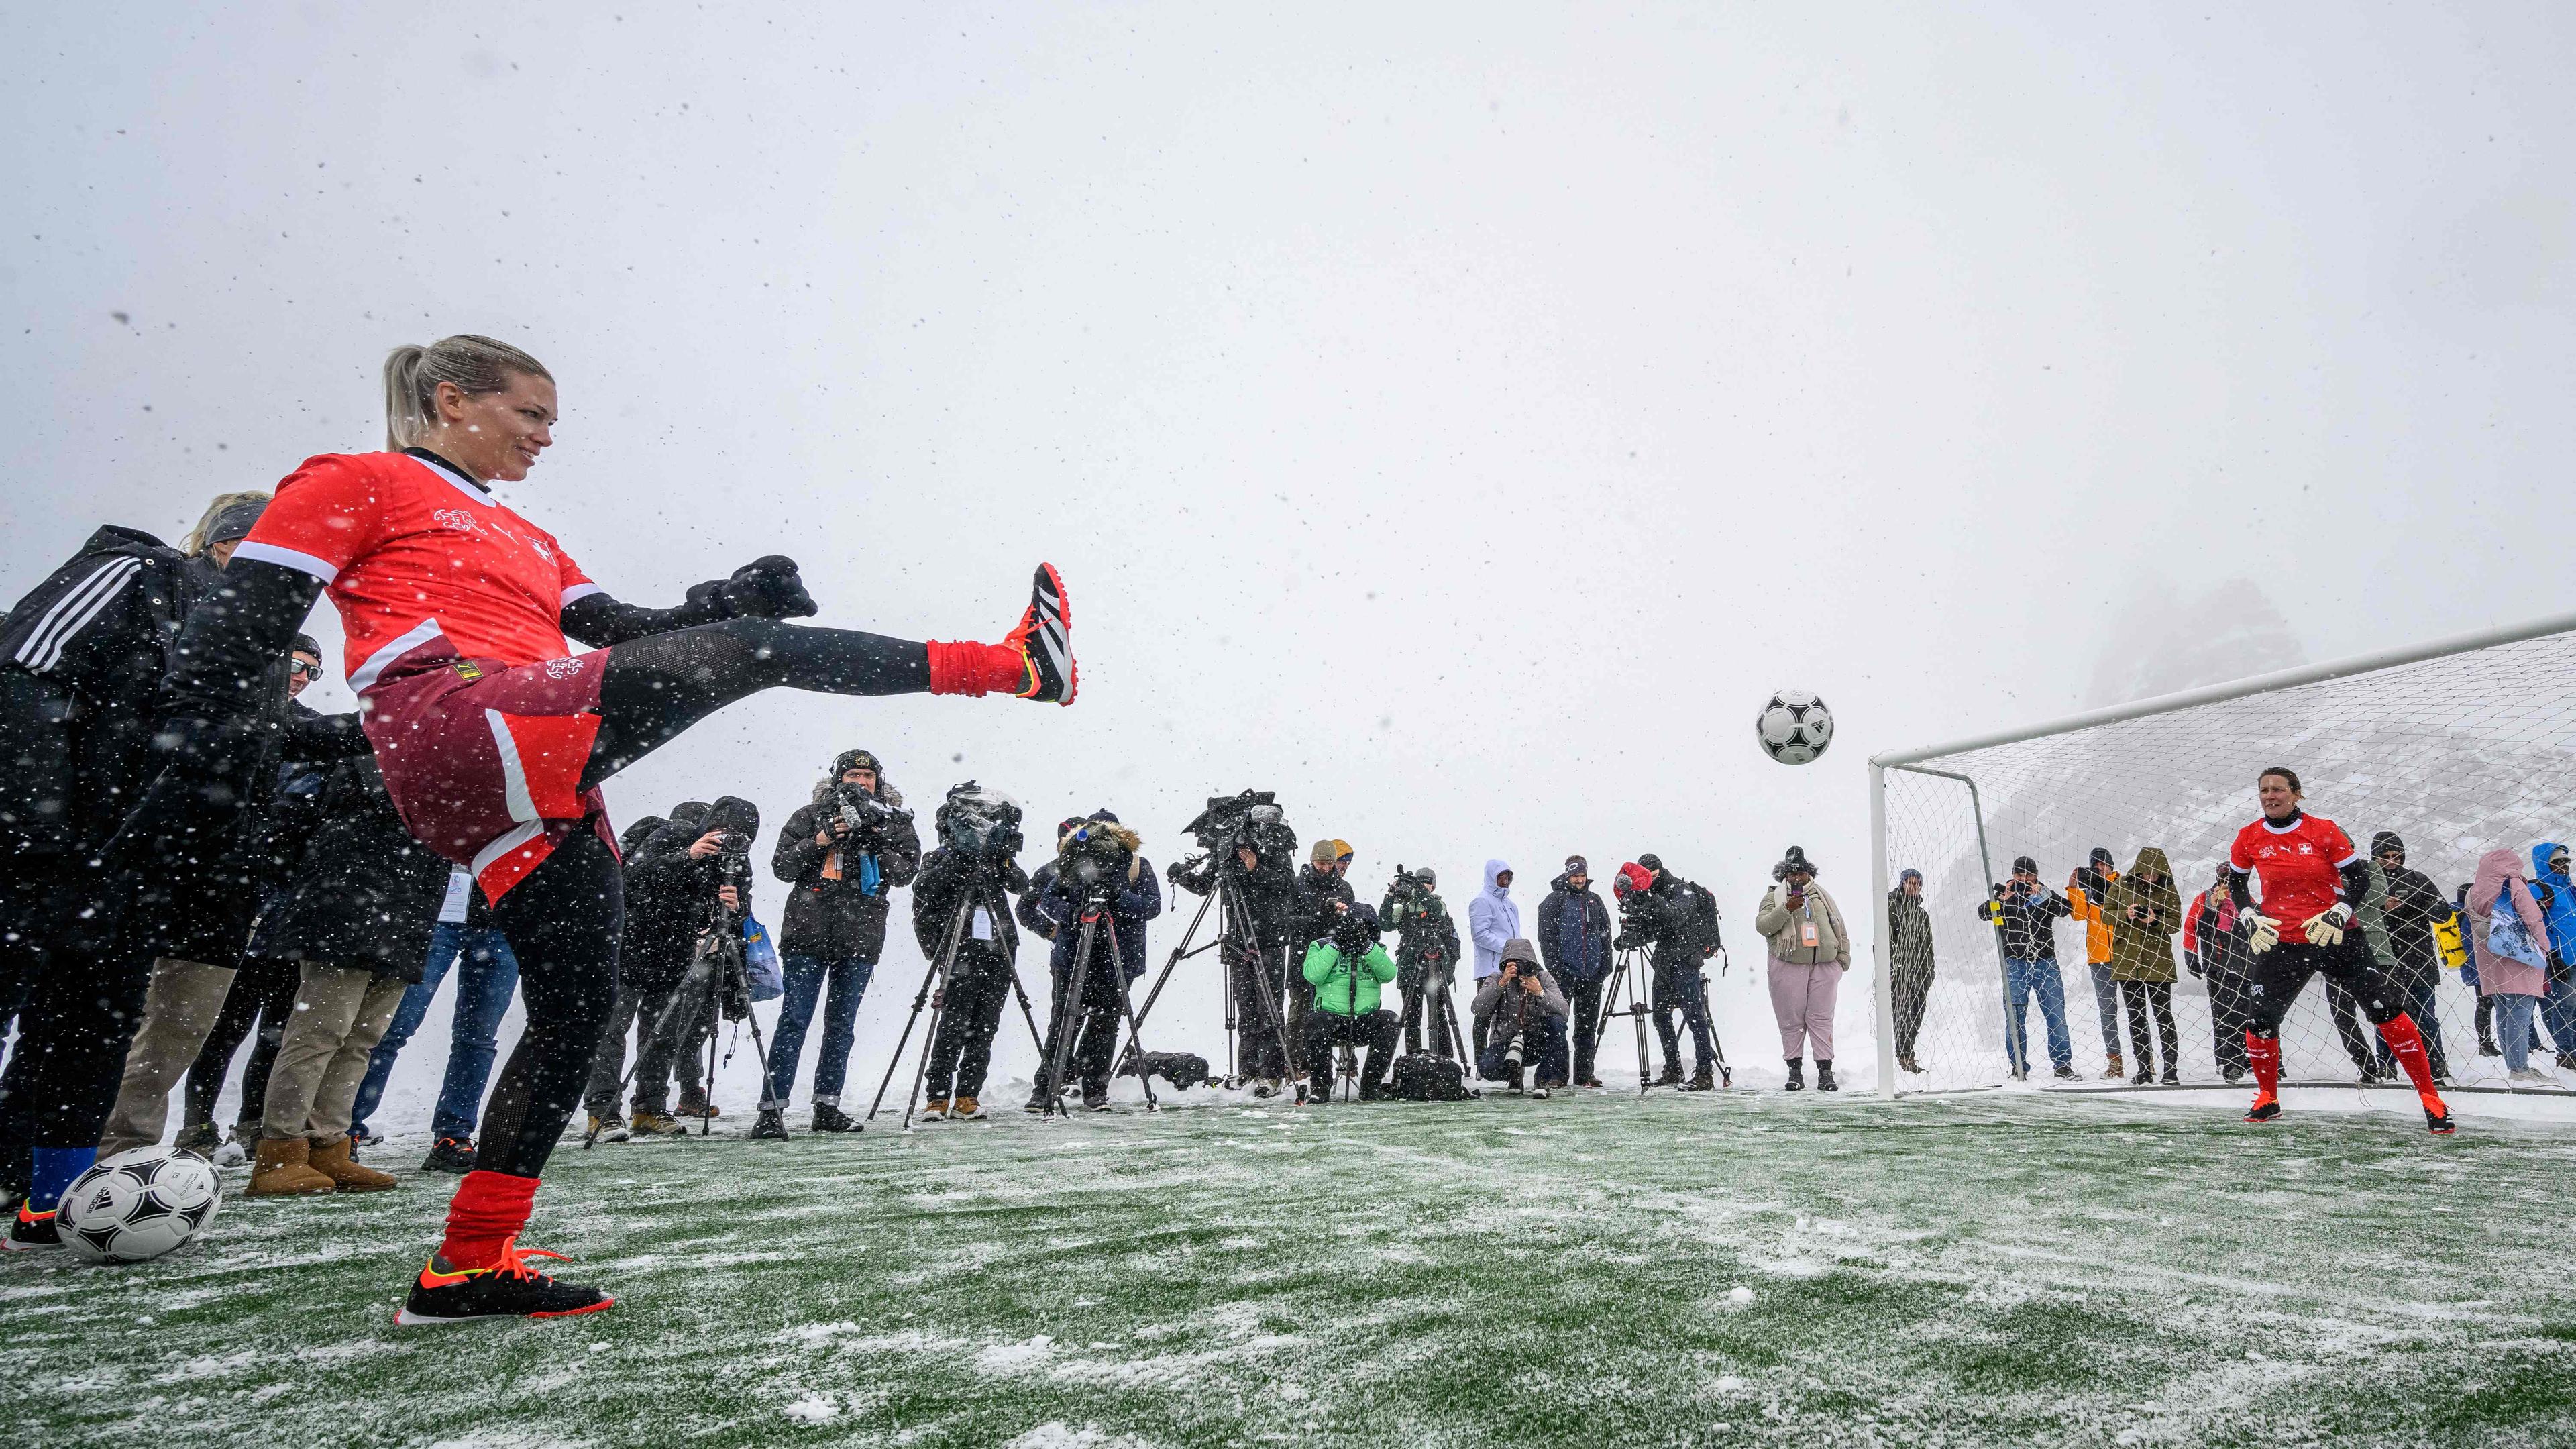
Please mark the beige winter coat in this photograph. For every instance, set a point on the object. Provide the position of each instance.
(1780, 926)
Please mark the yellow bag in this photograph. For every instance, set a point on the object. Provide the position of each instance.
(2454, 947)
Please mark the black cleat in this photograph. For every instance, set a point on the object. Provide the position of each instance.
(1044, 637)
(30, 1231)
(2264, 1109)
(449, 1154)
(509, 1289)
(2437, 1122)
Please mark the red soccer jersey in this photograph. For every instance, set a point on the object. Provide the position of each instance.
(2301, 865)
(416, 557)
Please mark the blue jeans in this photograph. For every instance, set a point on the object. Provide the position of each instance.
(2106, 1000)
(2022, 979)
(2558, 1010)
(1544, 1057)
(483, 991)
(2513, 1028)
(805, 977)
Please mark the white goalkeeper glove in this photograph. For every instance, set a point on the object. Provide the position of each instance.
(2326, 927)
(2262, 933)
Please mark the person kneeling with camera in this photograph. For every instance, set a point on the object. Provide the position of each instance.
(1522, 1012)
(1346, 971)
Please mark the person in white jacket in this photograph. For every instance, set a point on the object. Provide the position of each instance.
(1494, 922)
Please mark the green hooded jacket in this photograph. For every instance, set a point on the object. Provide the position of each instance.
(1331, 979)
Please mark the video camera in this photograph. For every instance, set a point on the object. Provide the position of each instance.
(862, 813)
(1408, 886)
(1253, 818)
(980, 824)
(1091, 857)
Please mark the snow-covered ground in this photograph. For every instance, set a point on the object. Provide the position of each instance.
(1594, 1269)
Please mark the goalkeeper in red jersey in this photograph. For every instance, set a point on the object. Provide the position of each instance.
(2302, 927)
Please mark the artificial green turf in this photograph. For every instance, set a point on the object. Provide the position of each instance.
(1592, 1270)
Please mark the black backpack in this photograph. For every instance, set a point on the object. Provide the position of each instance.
(1703, 921)
(1425, 1077)
(1183, 1070)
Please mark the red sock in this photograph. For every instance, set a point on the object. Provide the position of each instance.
(2407, 1045)
(2263, 1053)
(488, 1210)
(976, 668)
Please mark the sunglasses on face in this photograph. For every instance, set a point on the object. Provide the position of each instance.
(302, 670)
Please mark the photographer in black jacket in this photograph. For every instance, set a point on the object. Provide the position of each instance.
(1097, 867)
(1663, 914)
(972, 869)
(839, 855)
(652, 951)
(1249, 848)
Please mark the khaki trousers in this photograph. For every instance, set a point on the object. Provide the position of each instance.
(341, 1012)
(179, 1009)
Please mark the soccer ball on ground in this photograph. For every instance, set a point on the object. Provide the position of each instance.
(138, 1205)
(1794, 727)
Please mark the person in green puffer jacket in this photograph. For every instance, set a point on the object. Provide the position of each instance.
(1348, 970)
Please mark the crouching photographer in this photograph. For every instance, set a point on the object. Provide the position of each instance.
(1346, 970)
(840, 855)
(971, 872)
(1426, 951)
(1523, 1012)
(1101, 880)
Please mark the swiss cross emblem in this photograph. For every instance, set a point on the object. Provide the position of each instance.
(543, 552)
(453, 518)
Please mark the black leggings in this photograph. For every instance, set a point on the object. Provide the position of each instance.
(2137, 999)
(659, 685)
(263, 991)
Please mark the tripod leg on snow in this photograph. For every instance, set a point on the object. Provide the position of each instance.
(1068, 1015)
(1180, 953)
(956, 927)
(945, 970)
(1135, 1022)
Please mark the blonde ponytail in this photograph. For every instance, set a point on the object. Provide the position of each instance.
(475, 364)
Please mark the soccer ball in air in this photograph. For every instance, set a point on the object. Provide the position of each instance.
(1794, 727)
(138, 1205)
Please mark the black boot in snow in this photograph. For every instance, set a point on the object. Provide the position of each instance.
(1825, 1076)
(1797, 1074)
(828, 1117)
(1672, 1076)
(1703, 1080)
(769, 1126)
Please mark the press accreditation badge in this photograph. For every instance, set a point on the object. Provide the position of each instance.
(1807, 934)
(460, 889)
(983, 924)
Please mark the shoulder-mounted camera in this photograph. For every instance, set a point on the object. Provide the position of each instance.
(979, 823)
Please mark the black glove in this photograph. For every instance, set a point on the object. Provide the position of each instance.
(767, 588)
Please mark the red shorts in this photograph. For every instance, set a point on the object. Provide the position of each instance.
(484, 760)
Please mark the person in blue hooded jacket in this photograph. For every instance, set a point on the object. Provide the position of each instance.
(2557, 897)
(1493, 922)
(1133, 899)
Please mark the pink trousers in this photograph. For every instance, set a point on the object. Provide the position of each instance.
(1802, 1001)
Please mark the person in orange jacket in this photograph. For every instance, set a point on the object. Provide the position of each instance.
(2086, 891)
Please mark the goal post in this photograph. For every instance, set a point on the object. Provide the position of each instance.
(2458, 745)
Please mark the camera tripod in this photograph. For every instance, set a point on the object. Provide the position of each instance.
(942, 968)
(1070, 1008)
(1629, 973)
(1234, 922)
(718, 973)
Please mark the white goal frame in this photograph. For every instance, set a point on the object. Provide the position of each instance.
(1917, 761)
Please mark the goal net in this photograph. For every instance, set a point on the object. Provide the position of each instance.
(2458, 748)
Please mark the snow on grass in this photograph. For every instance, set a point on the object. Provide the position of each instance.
(1595, 1269)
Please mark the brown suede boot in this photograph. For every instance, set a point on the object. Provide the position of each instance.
(333, 1160)
(283, 1168)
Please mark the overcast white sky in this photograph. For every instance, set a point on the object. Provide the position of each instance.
(1456, 418)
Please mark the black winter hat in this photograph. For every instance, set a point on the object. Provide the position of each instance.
(2101, 857)
(305, 644)
(1104, 817)
(690, 812)
(2025, 863)
(636, 834)
(1652, 861)
(848, 760)
(1363, 913)
(2386, 841)
(733, 813)
(1794, 863)
(1577, 865)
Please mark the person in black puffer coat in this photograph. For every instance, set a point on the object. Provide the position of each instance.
(356, 919)
(841, 856)
(652, 952)
(981, 879)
